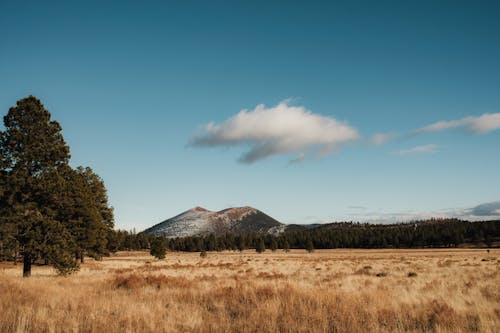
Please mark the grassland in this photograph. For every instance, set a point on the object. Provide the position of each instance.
(325, 291)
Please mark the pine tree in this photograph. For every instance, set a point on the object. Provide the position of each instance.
(274, 244)
(240, 243)
(87, 214)
(158, 247)
(286, 246)
(261, 247)
(32, 151)
(309, 245)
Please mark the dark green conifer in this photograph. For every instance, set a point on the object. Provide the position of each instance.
(286, 246)
(261, 247)
(309, 245)
(32, 153)
(274, 244)
(158, 247)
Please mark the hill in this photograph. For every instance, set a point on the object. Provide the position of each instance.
(200, 221)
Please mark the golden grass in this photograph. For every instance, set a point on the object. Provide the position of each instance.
(325, 291)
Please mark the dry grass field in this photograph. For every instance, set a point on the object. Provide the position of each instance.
(325, 291)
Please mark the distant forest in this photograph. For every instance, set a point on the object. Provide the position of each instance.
(419, 234)
(434, 233)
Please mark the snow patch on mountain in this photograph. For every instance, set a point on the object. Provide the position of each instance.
(277, 230)
(190, 222)
(200, 221)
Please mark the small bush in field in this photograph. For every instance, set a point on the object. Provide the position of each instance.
(309, 246)
(412, 274)
(203, 254)
(261, 247)
(158, 248)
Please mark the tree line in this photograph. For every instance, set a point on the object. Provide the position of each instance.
(49, 212)
(419, 234)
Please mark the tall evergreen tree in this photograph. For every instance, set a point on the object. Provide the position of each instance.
(158, 247)
(286, 246)
(261, 247)
(83, 208)
(32, 150)
(309, 245)
(274, 244)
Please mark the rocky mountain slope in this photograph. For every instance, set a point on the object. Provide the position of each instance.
(199, 221)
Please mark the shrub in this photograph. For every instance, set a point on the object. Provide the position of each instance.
(309, 246)
(158, 248)
(261, 247)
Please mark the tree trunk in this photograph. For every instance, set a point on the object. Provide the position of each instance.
(82, 255)
(27, 265)
(15, 254)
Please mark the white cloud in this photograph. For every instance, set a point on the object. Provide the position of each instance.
(381, 138)
(405, 216)
(482, 212)
(485, 123)
(277, 130)
(425, 149)
(486, 209)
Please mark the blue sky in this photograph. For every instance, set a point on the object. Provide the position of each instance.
(135, 84)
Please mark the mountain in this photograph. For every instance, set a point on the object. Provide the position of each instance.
(200, 221)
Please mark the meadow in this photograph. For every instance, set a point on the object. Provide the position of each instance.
(427, 290)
